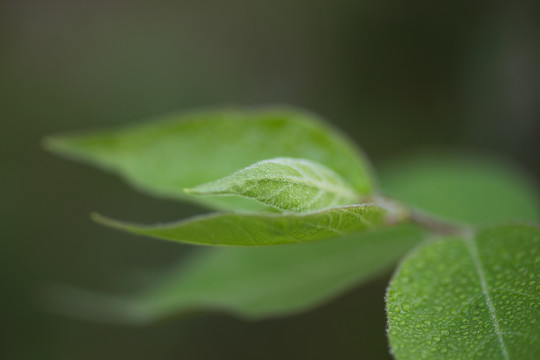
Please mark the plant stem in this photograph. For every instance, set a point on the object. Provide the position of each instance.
(398, 212)
(437, 225)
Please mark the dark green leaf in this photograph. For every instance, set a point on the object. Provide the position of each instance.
(469, 298)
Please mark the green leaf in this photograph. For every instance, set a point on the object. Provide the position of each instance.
(165, 156)
(251, 282)
(469, 298)
(466, 188)
(258, 229)
(292, 185)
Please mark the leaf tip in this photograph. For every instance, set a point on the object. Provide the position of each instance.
(112, 223)
(102, 220)
(197, 190)
(58, 144)
(96, 216)
(50, 143)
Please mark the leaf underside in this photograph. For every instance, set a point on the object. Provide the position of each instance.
(289, 185)
(476, 298)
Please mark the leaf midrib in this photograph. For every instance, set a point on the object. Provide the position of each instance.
(473, 251)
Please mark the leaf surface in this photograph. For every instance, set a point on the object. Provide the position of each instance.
(291, 185)
(259, 229)
(469, 298)
(165, 156)
(252, 282)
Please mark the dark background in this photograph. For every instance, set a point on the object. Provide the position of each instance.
(395, 75)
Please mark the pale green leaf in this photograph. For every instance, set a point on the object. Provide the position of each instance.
(251, 282)
(165, 156)
(258, 229)
(291, 185)
(463, 187)
(469, 298)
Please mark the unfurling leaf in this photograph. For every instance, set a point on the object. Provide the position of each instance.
(469, 298)
(258, 229)
(291, 185)
(165, 156)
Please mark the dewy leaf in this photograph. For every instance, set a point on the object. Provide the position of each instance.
(165, 156)
(292, 185)
(463, 187)
(475, 298)
(258, 229)
(252, 282)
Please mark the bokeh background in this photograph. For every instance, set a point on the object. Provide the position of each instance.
(394, 75)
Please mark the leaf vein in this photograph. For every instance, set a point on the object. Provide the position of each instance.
(473, 250)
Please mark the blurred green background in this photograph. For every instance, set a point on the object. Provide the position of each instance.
(394, 75)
